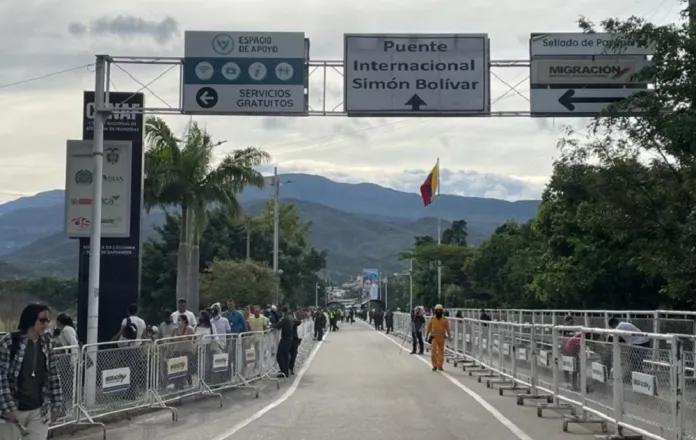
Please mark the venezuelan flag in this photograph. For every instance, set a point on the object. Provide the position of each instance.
(428, 189)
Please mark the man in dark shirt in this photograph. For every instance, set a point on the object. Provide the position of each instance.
(484, 317)
(285, 325)
(417, 326)
(30, 391)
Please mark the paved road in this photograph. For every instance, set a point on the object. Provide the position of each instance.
(359, 386)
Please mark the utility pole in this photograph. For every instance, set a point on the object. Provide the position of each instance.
(100, 115)
(316, 295)
(386, 293)
(248, 238)
(276, 226)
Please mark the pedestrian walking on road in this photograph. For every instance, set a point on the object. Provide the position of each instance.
(417, 326)
(285, 325)
(437, 330)
(319, 324)
(389, 320)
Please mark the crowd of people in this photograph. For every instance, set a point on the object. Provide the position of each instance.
(32, 395)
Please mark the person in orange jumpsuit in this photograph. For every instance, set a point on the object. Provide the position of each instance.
(436, 331)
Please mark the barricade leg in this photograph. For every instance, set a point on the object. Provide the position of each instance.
(206, 368)
(579, 372)
(487, 344)
(532, 392)
(555, 404)
(269, 358)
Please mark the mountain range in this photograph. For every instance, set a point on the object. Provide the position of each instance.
(360, 225)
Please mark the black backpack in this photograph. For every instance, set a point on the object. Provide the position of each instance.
(130, 331)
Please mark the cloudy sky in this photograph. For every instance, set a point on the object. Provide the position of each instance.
(508, 158)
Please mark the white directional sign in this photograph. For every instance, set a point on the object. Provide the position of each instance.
(416, 75)
(244, 73)
(578, 102)
(577, 75)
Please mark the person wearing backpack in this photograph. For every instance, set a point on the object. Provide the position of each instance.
(31, 395)
(130, 336)
(132, 328)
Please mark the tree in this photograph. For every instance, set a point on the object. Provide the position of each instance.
(453, 255)
(299, 261)
(16, 293)
(646, 165)
(225, 239)
(248, 282)
(617, 226)
(505, 266)
(180, 173)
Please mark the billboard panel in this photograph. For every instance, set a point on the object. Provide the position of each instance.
(370, 284)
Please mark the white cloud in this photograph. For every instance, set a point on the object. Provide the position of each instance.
(496, 157)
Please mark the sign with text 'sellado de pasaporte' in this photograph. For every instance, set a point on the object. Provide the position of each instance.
(580, 75)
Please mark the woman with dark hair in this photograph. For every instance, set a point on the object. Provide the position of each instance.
(68, 335)
(67, 355)
(184, 347)
(205, 331)
(31, 394)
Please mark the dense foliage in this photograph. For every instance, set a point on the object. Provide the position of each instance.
(617, 224)
(183, 173)
(223, 247)
(15, 293)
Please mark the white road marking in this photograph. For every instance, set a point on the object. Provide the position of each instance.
(285, 396)
(521, 435)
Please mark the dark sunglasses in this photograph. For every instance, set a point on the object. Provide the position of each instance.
(44, 320)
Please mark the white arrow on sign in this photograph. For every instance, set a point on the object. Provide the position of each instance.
(206, 98)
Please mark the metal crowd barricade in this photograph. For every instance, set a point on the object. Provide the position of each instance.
(123, 380)
(654, 321)
(142, 374)
(591, 375)
(67, 361)
(269, 356)
(219, 364)
(609, 376)
(180, 368)
(306, 334)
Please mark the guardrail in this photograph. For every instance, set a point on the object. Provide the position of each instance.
(590, 374)
(653, 321)
(147, 374)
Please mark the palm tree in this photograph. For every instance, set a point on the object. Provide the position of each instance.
(180, 173)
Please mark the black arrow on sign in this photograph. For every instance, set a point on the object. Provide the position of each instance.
(568, 101)
(415, 102)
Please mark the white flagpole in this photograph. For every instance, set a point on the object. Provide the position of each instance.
(439, 234)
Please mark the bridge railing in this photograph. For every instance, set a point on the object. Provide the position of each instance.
(140, 374)
(591, 375)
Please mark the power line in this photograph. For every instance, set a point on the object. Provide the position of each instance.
(49, 75)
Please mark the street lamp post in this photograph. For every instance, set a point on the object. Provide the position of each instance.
(276, 228)
(410, 283)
